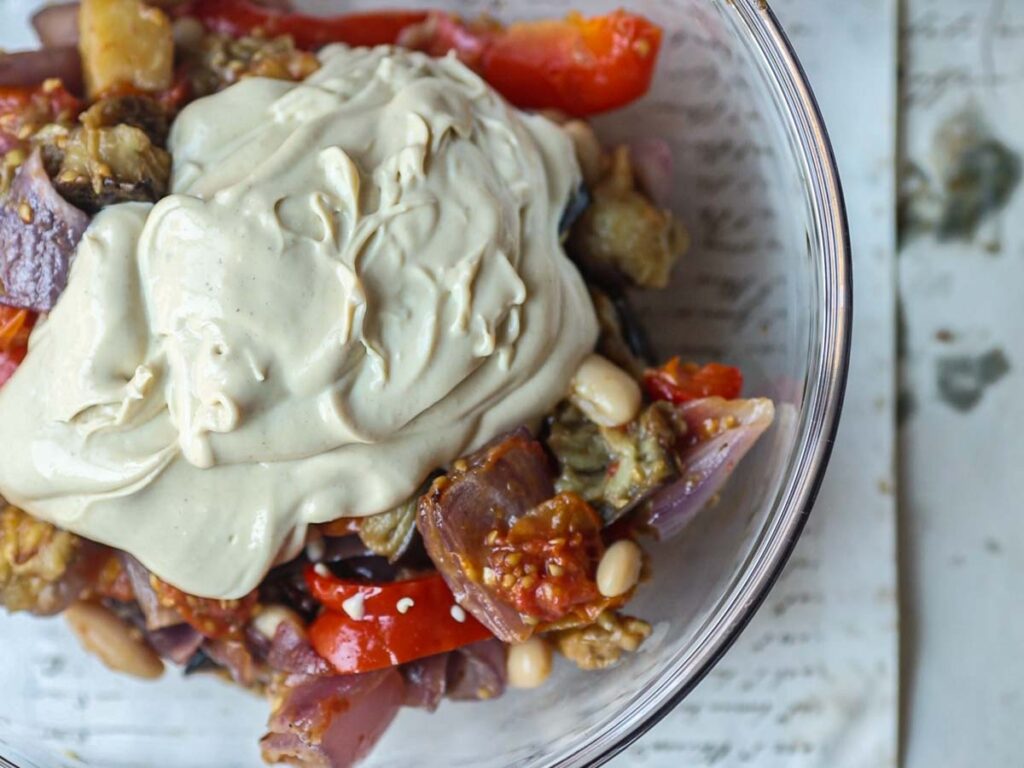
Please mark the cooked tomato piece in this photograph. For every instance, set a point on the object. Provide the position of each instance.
(681, 382)
(545, 563)
(113, 582)
(212, 618)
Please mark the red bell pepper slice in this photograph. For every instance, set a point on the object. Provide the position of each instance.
(240, 17)
(15, 327)
(370, 626)
(680, 382)
(578, 65)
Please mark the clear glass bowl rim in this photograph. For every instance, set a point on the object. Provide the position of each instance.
(822, 408)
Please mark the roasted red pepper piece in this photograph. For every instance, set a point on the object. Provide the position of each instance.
(579, 65)
(381, 627)
(241, 17)
(15, 327)
(680, 382)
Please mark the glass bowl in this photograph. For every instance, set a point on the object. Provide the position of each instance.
(765, 286)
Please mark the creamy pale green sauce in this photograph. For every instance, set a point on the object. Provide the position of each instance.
(356, 279)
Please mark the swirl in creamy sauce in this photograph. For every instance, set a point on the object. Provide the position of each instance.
(356, 279)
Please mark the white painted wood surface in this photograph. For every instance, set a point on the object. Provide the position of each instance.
(962, 433)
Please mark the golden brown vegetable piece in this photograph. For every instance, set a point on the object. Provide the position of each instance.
(216, 61)
(125, 45)
(34, 559)
(119, 646)
(622, 233)
(388, 533)
(602, 643)
(142, 112)
(613, 343)
(605, 393)
(102, 166)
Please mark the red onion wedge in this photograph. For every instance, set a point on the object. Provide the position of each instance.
(57, 25)
(426, 681)
(39, 231)
(654, 168)
(477, 672)
(176, 643)
(235, 657)
(291, 652)
(331, 721)
(33, 67)
(157, 616)
(720, 432)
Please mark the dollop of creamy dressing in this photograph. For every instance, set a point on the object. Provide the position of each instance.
(357, 279)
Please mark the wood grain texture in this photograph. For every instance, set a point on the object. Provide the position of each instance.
(962, 376)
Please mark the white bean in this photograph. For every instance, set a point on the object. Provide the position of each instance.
(118, 645)
(529, 663)
(619, 569)
(588, 150)
(271, 617)
(605, 393)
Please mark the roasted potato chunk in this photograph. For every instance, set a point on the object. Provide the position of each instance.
(125, 44)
